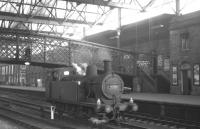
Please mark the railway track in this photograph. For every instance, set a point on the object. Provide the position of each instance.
(125, 126)
(161, 123)
(21, 109)
(28, 121)
(146, 122)
(131, 121)
(31, 116)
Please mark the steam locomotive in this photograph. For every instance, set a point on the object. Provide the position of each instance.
(92, 95)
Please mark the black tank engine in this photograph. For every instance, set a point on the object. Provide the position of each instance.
(92, 93)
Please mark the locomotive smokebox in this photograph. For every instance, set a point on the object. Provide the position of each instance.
(107, 66)
(91, 71)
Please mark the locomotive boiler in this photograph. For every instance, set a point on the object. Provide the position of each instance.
(91, 94)
(105, 86)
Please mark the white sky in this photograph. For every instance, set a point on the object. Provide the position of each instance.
(131, 16)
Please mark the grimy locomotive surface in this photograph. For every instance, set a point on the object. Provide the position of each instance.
(91, 95)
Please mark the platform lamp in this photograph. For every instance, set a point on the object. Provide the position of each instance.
(27, 56)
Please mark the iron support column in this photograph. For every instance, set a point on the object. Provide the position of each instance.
(178, 7)
(119, 28)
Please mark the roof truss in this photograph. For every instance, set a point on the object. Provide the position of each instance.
(58, 13)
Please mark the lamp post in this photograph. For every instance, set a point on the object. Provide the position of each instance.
(154, 62)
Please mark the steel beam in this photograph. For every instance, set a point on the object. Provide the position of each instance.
(108, 3)
(94, 2)
(39, 19)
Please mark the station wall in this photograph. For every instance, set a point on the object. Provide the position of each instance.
(175, 43)
(185, 54)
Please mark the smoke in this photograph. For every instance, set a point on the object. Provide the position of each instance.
(82, 55)
(104, 54)
(80, 69)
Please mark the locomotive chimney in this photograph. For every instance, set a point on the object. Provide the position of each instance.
(91, 70)
(107, 66)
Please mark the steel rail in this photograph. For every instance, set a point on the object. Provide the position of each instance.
(165, 121)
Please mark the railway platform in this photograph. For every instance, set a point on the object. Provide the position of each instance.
(25, 88)
(34, 91)
(168, 106)
(164, 98)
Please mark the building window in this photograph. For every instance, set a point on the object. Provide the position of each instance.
(196, 74)
(174, 75)
(184, 41)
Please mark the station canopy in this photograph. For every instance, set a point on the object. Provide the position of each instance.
(77, 18)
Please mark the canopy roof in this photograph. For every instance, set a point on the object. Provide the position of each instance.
(68, 17)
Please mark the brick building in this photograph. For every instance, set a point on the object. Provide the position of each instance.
(149, 40)
(185, 54)
(170, 46)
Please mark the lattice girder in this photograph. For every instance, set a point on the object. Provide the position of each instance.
(62, 51)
